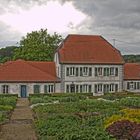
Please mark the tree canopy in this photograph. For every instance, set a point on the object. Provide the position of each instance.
(132, 58)
(6, 53)
(38, 46)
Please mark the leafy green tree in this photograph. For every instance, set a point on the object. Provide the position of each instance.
(38, 46)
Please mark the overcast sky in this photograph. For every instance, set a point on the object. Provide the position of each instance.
(117, 20)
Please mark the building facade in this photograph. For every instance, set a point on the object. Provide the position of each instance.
(89, 64)
(82, 64)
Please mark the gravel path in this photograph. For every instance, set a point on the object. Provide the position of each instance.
(20, 126)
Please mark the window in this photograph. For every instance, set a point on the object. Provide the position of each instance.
(99, 71)
(5, 89)
(106, 88)
(36, 88)
(99, 87)
(95, 89)
(116, 87)
(70, 71)
(80, 88)
(77, 89)
(106, 71)
(85, 70)
(90, 88)
(130, 85)
(112, 72)
(50, 88)
(111, 87)
(84, 88)
(46, 89)
(135, 85)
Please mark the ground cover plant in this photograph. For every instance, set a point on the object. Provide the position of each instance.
(80, 116)
(7, 104)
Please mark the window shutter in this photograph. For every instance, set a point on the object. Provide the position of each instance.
(96, 72)
(67, 72)
(90, 71)
(116, 72)
(81, 71)
(77, 71)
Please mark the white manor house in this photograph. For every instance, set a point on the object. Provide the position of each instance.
(82, 64)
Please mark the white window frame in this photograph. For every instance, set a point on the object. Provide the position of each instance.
(85, 71)
(100, 88)
(5, 89)
(100, 71)
(50, 88)
(112, 71)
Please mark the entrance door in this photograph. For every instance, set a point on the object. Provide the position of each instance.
(23, 91)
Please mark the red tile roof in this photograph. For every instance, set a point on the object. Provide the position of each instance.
(88, 49)
(28, 71)
(132, 71)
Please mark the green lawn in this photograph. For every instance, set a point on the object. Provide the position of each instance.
(83, 117)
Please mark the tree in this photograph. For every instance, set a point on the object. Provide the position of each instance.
(6, 53)
(38, 46)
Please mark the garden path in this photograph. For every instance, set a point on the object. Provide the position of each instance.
(20, 126)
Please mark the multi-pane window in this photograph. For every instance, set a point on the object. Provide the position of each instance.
(112, 71)
(106, 71)
(105, 88)
(133, 85)
(36, 88)
(5, 89)
(98, 71)
(78, 71)
(48, 88)
(78, 88)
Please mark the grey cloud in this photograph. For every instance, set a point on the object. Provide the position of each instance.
(113, 19)
(119, 19)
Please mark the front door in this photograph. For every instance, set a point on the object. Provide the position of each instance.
(23, 91)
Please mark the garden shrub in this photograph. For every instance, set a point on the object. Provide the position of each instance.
(132, 115)
(130, 102)
(125, 130)
(5, 108)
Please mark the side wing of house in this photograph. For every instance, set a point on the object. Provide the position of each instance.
(132, 77)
